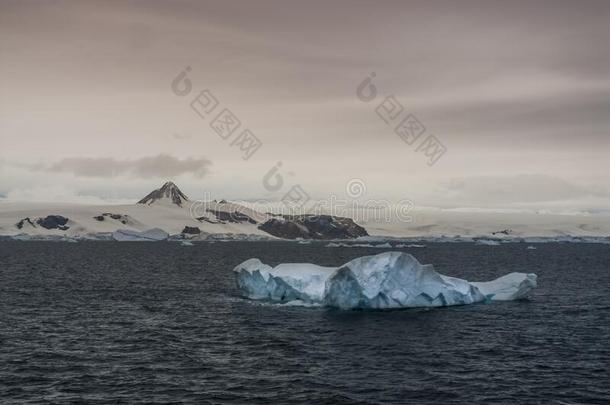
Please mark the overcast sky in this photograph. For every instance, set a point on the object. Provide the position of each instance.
(517, 92)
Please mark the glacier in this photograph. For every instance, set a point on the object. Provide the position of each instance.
(384, 281)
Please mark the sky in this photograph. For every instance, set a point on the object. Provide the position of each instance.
(511, 100)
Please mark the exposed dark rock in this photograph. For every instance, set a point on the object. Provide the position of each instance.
(191, 230)
(53, 222)
(124, 219)
(206, 219)
(27, 220)
(284, 229)
(505, 232)
(313, 227)
(234, 217)
(168, 190)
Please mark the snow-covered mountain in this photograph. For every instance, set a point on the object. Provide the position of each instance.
(170, 210)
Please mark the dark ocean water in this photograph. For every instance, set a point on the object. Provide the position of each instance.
(104, 322)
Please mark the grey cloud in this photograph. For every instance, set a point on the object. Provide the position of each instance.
(509, 86)
(162, 166)
(179, 137)
(509, 190)
(555, 118)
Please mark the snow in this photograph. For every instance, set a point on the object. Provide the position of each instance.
(429, 225)
(169, 217)
(166, 208)
(384, 281)
(434, 222)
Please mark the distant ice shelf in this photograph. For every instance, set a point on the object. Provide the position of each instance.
(384, 281)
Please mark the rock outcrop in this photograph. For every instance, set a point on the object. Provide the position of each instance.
(53, 222)
(313, 227)
(191, 230)
(124, 219)
(25, 221)
(48, 222)
(235, 217)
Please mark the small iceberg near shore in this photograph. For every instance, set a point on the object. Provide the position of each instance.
(488, 242)
(127, 235)
(384, 281)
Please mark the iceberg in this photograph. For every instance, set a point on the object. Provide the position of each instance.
(410, 245)
(488, 242)
(510, 287)
(384, 281)
(360, 245)
(127, 235)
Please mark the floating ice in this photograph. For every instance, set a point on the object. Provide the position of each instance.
(360, 245)
(386, 280)
(512, 286)
(488, 242)
(126, 235)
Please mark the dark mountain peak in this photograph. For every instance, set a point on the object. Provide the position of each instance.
(169, 192)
